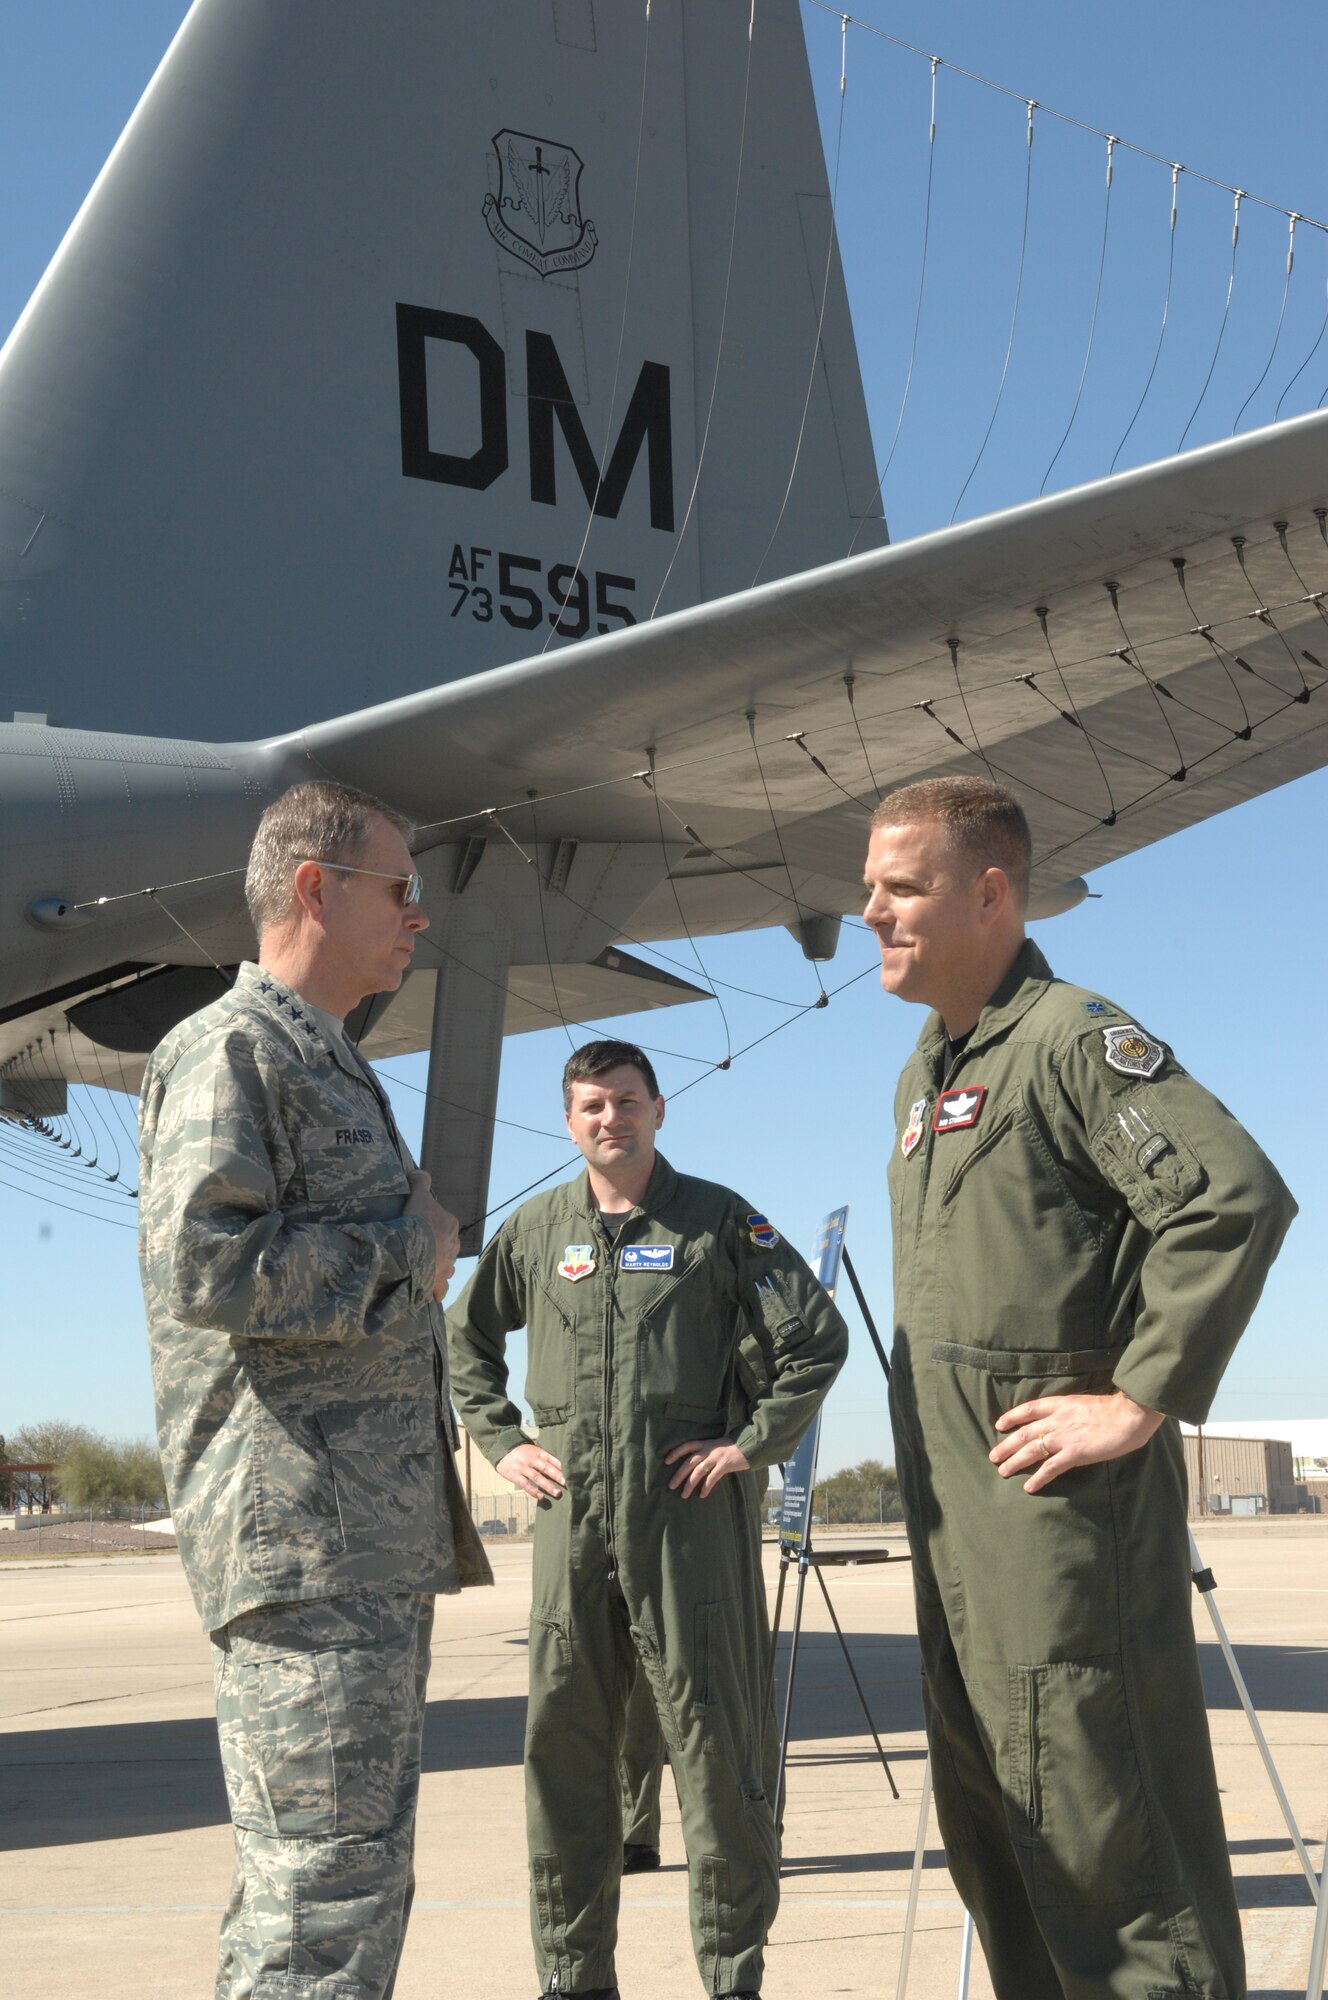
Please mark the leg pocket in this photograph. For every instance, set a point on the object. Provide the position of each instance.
(1075, 1795)
(549, 1708)
(349, 1905)
(725, 1700)
(318, 1707)
(276, 1746)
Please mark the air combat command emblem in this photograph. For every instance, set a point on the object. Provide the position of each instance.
(536, 213)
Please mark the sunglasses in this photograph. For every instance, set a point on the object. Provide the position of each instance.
(412, 886)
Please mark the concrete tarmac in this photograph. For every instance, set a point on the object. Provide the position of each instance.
(116, 1847)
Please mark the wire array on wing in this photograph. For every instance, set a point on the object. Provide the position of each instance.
(1115, 768)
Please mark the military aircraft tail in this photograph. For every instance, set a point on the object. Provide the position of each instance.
(398, 342)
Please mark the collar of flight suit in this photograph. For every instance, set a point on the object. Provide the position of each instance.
(660, 1190)
(1025, 982)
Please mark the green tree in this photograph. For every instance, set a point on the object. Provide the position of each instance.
(50, 1443)
(89, 1477)
(860, 1494)
(141, 1480)
(100, 1474)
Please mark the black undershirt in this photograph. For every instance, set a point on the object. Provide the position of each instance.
(956, 1045)
(611, 1225)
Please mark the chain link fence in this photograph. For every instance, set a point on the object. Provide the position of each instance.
(85, 1531)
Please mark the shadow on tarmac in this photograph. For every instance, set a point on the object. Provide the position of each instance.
(1274, 1892)
(124, 1780)
(856, 1864)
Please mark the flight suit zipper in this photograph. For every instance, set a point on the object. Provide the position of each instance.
(1034, 1808)
(927, 1151)
(916, 1264)
(606, 1400)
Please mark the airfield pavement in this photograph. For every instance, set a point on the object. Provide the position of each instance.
(116, 1847)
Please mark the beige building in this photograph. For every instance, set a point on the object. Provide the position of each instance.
(490, 1498)
(1241, 1475)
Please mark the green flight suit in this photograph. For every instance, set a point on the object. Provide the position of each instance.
(641, 1765)
(699, 1322)
(299, 1368)
(1071, 1213)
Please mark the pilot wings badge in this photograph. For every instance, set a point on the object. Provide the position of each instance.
(536, 213)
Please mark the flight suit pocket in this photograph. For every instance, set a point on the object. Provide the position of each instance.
(703, 1420)
(550, 1668)
(551, 1367)
(781, 1314)
(1074, 1792)
(753, 1367)
(1045, 1584)
(720, 1700)
(1147, 1158)
(1004, 1190)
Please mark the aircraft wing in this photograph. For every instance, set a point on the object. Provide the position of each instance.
(1132, 657)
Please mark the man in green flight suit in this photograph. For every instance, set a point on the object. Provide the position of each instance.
(1081, 1233)
(292, 1257)
(675, 1342)
(641, 1768)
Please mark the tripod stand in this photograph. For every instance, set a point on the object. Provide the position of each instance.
(795, 1546)
(795, 1526)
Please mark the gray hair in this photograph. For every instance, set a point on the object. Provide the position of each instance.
(319, 821)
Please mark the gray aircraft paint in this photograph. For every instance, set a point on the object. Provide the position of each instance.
(267, 424)
(207, 536)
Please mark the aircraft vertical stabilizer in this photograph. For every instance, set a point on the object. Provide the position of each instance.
(370, 305)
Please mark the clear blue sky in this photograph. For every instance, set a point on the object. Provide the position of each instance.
(1215, 940)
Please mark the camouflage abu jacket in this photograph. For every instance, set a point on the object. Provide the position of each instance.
(297, 1352)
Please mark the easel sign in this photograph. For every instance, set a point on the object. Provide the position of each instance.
(795, 1513)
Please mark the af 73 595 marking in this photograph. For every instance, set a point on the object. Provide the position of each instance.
(520, 601)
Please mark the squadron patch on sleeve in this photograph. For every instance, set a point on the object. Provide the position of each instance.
(760, 1232)
(911, 1137)
(1130, 1052)
(956, 1110)
(578, 1262)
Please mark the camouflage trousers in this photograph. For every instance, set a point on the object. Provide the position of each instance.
(320, 1709)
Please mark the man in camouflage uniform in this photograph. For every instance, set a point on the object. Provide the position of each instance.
(674, 1343)
(292, 1259)
(1081, 1233)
